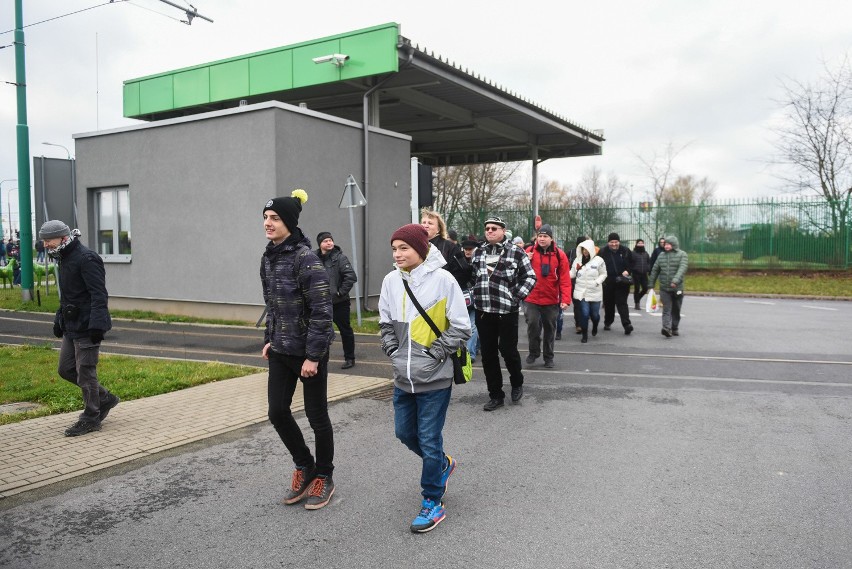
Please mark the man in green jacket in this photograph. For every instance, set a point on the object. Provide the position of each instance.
(670, 267)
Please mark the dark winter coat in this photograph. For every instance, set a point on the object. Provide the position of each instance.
(457, 263)
(641, 262)
(298, 299)
(617, 262)
(341, 274)
(82, 286)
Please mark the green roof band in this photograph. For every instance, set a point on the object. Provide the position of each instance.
(371, 51)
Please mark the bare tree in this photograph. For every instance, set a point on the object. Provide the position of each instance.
(684, 209)
(816, 139)
(659, 167)
(466, 194)
(595, 201)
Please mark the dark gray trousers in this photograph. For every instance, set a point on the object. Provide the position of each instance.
(78, 363)
(541, 320)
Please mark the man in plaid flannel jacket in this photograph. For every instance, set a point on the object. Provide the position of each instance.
(502, 278)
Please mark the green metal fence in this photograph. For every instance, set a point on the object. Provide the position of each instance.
(805, 233)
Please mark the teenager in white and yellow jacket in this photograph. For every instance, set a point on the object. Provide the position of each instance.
(423, 370)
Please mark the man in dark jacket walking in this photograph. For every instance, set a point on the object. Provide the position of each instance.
(296, 342)
(341, 278)
(81, 321)
(619, 263)
(641, 268)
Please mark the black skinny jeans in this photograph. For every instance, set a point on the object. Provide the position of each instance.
(340, 315)
(284, 374)
(640, 286)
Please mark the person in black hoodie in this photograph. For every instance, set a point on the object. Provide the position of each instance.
(81, 321)
(457, 263)
(641, 268)
(341, 278)
(619, 264)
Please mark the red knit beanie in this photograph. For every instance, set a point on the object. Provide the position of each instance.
(415, 235)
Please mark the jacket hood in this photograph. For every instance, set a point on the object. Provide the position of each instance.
(296, 238)
(335, 251)
(434, 261)
(589, 246)
(673, 240)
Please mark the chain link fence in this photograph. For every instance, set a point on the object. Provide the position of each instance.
(804, 233)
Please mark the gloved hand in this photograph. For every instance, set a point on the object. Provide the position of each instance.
(57, 330)
(96, 336)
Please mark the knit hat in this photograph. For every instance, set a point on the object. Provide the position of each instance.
(453, 234)
(288, 208)
(322, 236)
(518, 240)
(494, 220)
(470, 243)
(613, 237)
(415, 235)
(546, 229)
(53, 229)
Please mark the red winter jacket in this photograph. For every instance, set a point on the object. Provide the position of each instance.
(556, 286)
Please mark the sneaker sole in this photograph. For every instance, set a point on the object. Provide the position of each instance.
(67, 434)
(320, 504)
(430, 528)
(296, 499)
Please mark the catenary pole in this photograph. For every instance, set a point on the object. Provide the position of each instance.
(23, 142)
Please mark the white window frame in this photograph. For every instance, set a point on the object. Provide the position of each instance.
(96, 204)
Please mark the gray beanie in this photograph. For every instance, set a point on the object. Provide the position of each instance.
(53, 229)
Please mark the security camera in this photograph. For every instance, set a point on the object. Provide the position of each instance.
(338, 59)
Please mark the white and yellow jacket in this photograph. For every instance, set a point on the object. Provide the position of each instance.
(420, 360)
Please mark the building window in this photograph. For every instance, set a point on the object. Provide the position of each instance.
(112, 223)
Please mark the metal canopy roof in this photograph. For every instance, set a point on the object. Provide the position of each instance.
(452, 116)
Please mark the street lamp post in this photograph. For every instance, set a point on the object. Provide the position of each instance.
(9, 208)
(2, 235)
(73, 179)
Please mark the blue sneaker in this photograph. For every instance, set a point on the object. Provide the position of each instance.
(445, 475)
(431, 514)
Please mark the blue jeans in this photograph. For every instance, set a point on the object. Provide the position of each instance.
(419, 422)
(473, 343)
(587, 310)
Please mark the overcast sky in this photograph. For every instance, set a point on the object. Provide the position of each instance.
(702, 74)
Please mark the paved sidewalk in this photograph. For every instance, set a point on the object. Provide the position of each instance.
(36, 453)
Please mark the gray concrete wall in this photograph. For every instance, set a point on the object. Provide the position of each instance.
(198, 186)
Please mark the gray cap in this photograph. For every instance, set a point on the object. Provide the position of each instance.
(53, 229)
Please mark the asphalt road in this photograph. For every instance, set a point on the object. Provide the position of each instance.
(729, 446)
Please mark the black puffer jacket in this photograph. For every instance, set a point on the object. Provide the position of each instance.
(82, 284)
(341, 274)
(295, 289)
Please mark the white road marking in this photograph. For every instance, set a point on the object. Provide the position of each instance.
(818, 307)
(759, 302)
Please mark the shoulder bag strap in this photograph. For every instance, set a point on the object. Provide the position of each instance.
(422, 312)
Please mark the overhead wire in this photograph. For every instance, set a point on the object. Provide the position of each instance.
(65, 15)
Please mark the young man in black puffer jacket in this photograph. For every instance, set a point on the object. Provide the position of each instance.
(341, 279)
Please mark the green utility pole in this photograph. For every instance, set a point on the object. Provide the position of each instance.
(23, 138)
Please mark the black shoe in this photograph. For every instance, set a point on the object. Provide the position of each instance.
(348, 364)
(666, 332)
(585, 338)
(579, 330)
(518, 392)
(531, 359)
(108, 405)
(637, 306)
(675, 332)
(558, 336)
(493, 404)
(628, 329)
(82, 427)
(594, 328)
(606, 327)
(548, 363)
